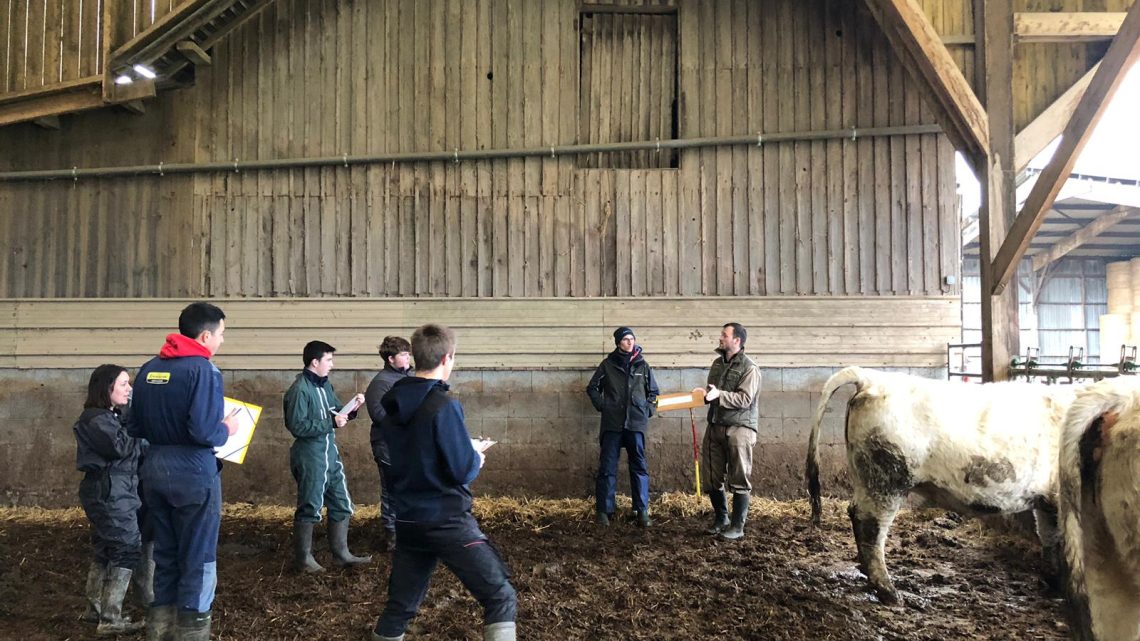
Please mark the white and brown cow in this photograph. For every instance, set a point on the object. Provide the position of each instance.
(973, 449)
(1099, 509)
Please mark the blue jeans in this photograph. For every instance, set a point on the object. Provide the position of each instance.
(185, 516)
(465, 550)
(611, 444)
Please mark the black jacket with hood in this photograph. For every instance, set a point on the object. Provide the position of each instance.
(624, 391)
(432, 459)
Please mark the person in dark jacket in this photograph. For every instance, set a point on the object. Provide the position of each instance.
(109, 459)
(178, 408)
(312, 416)
(624, 391)
(397, 354)
(433, 461)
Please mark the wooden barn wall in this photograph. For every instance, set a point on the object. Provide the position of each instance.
(871, 216)
(534, 333)
(48, 42)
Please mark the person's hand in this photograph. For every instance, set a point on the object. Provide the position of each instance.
(340, 419)
(231, 423)
(712, 394)
(359, 398)
(482, 459)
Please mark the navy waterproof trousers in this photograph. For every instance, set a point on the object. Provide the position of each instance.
(464, 550)
(610, 446)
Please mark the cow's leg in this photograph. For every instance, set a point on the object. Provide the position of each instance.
(871, 520)
(1045, 519)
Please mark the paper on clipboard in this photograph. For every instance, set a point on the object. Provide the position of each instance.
(351, 406)
(235, 447)
(482, 444)
(682, 401)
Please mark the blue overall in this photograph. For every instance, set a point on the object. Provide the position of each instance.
(177, 406)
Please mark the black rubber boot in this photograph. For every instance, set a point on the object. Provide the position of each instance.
(643, 518)
(338, 544)
(601, 519)
(194, 626)
(144, 576)
(111, 619)
(735, 529)
(303, 560)
(93, 590)
(720, 512)
(161, 623)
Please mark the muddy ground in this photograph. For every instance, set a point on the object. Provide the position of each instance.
(785, 580)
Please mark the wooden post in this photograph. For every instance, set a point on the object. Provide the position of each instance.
(994, 84)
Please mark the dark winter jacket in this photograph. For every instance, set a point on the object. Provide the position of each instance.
(177, 407)
(624, 391)
(381, 383)
(103, 445)
(432, 459)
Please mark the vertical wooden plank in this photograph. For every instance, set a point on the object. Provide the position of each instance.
(607, 192)
(654, 211)
(754, 34)
(851, 96)
(720, 61)
(623, 269)
(36, 45)
(832, 74)
(882, 104)
(738, 74)
(898, 176)
(637, 239)
(7, 28)
(821, 214)
(801, 83)
(53, 41)
(949, 241)
(19, 47)
(670, 234)
(591, 199)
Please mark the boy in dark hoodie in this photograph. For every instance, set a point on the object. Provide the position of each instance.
(177, 407)
(624, 391)
(432, 462)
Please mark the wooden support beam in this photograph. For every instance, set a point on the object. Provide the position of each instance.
(994, 79)
(1121, 54)
(1066, 26)
(194, 53)
(47, 122)
(167, 32)
(137, 90)
(1082, 236)
(134, 106)
(925, 56)
(49, 105)
(1049, 123)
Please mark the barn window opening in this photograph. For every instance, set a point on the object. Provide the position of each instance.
(627, 84)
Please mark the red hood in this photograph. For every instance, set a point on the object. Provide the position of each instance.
(178, 346)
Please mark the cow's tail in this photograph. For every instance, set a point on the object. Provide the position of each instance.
(1081, 438)
(846, 376)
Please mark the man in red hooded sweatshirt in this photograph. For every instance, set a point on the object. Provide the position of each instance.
(177, 406)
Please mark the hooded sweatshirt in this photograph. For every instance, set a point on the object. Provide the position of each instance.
(177, 407)
(432, 459)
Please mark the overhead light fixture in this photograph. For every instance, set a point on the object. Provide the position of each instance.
(123, 79)
(145, 72)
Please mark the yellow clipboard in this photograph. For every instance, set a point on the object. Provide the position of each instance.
(236, 446)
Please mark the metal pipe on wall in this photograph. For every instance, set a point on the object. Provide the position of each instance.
(458, 155)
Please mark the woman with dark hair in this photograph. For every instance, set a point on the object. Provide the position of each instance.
(109, 459)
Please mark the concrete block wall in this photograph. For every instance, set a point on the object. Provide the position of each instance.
(545, 425)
